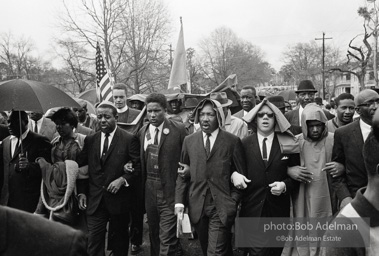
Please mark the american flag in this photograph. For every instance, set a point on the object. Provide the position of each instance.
(103, 81)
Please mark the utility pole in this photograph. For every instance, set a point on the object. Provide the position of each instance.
(323, 62)
(171, 50)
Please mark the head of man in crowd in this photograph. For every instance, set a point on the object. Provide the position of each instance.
(107, 116)
(371, 160)
(35, 115)
(136, 104)
(208, 117)
(15, 123)
(306, 93)
(81, 112)
(222, 98)
(345, 108)
(156, 107)
(248, 97)
(313, 122)
(175, 104)
(265, 121)
(278, 101)
(190, 105)
(119, 93)
(318, 101)
(366, 103)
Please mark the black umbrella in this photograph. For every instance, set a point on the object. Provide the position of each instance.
(20, 94)
(27, 95)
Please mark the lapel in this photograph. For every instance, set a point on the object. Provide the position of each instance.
(25, 145)
(357, 136)
(143, 136)
(296, 118)
(166, 125)
(275, 150)
(257, 152)
(96, 148)
(115, 138)
(218, 142)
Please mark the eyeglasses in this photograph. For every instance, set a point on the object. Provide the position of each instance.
(370, 103)
(262, 114)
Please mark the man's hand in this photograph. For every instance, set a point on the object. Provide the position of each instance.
(277, 188)
(239, 180)
(82, 201)
(179, 211)
(115, 185)
(335, 169)
(345, 202)
(300, 173)
(128, 167)
(23, 161)
(184, 170)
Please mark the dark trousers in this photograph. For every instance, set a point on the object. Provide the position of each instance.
(136, 214)
(97, 223)
(214, 237)
(161, 219)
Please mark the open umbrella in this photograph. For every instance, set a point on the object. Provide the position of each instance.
(27, 95)
(20, 94)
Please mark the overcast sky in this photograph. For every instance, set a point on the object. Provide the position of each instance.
(271, 25)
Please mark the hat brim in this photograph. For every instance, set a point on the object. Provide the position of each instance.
(311, 90)
(230, 102)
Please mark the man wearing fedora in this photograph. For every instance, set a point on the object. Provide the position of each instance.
(278, 101)
(305, 94)
(189, 105)
(232, 124)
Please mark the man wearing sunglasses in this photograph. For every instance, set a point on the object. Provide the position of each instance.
(348, 144)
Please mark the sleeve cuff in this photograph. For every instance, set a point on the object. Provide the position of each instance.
(179, 205)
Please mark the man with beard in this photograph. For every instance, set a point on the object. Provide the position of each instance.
(348, 144)
(248, 95)
(211, 155)
(125, 114)
(161, 144)
(22, 175)
(345, 112)
(42, 125)
(108, 195)
(305, 94)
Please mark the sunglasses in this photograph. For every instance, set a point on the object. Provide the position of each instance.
(262, 114)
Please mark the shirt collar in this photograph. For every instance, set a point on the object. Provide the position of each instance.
(365, 209)
(364, 126)
(152, 127)
(122, 110)
(269, 138)
(23, 136)
(213, 134)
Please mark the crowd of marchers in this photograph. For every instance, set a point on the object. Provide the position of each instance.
(74, 183)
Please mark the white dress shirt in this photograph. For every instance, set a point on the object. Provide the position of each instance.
(152, 135)
(111, 135)
(269, 141)
(365, 128)
(300, 112)
(212, 137)
(14, 140)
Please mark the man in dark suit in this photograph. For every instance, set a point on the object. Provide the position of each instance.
(268, 195)
(348, 145)
(161, 143)
(248, 95)
(22, 176)
(109, 195)
(211, 155)
(22, 233)
(305, 94)
(42, 125)
(125, 114)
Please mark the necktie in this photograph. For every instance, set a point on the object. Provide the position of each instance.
(264, 151)
(105, 146)
(156, 136)
(208, 145)
(35, 127)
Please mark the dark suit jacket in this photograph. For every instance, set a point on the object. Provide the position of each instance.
(214, 173)
(258, 192)
(169, 149)
(48, 128)
(21, 190)
(123, 148)
(22, 233)
(347, 150)
(293, 118)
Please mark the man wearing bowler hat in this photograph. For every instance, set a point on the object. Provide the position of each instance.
(233, 124)
(278, 101)
(189, 105)
(305, 94)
